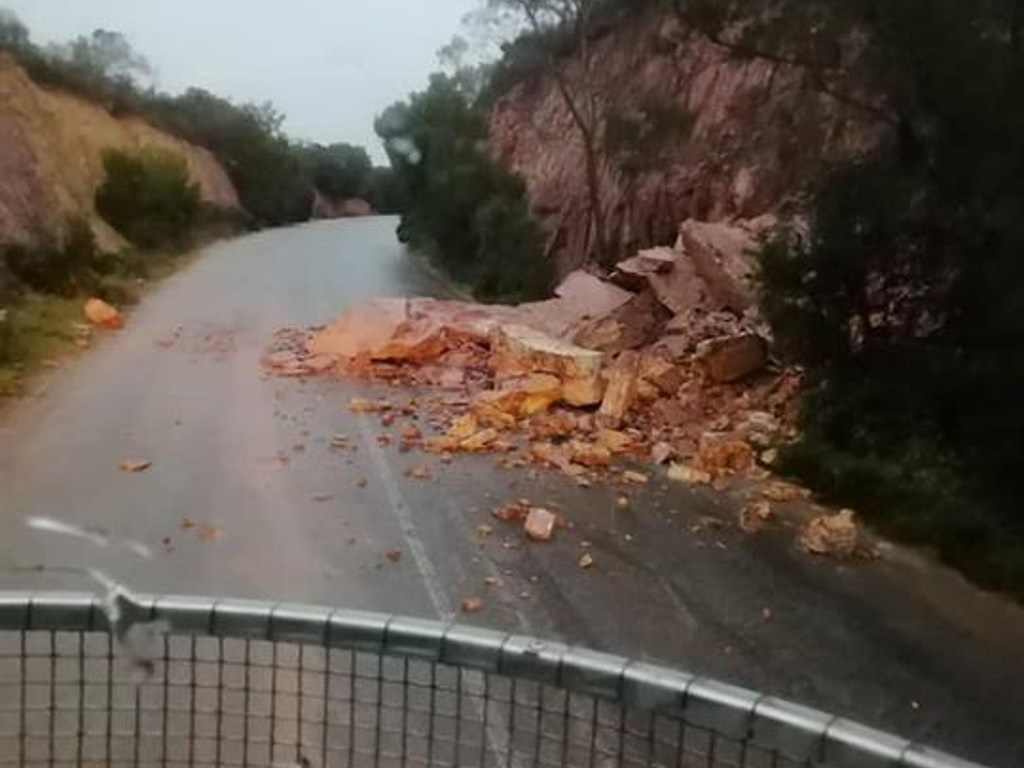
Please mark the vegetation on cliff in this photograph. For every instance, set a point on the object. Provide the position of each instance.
(460, 206)
(900, 298)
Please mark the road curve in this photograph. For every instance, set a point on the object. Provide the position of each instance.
(278, 515)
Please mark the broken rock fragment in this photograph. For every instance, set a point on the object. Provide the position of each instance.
(835, 535)
(621, 390)
(540, 524)
(730, 358)
(101, 314)
(520, 351)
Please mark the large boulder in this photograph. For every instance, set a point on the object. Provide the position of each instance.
(723, 255)
(517, 350)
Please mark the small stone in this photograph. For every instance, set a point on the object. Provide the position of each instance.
(540, 524)
(586, 561)
(472, 605)
(135, 465)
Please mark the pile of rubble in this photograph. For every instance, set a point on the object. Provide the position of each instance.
(666, 360)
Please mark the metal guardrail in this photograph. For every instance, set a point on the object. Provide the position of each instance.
(172, 681)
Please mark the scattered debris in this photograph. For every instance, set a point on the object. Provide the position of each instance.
(586, 561)
(360, 482)
(209, 532)
(394, 555)
(418, 473)
(320, 498)
(135, 465)
(834, 535)
(187, 524)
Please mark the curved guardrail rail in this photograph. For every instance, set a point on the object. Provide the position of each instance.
(192, 681)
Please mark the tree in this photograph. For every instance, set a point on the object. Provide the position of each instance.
(902, 300)
(108, 55)
(460, 207)
(13, 34)
(574, 72)
(340, 170)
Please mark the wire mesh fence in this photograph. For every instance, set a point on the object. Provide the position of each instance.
(186, 682)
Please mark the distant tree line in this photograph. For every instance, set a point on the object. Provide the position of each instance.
(275, 176)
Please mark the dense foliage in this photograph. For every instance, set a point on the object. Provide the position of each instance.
(903, 298)
(148, 198)
(462, 208)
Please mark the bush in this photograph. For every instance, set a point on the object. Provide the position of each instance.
(63, 269)
(149, 198)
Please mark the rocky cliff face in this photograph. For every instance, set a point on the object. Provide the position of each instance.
(51, 149)
(688, 132)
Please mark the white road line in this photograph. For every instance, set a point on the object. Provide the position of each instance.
(400, 509)
(677, 602)
(498, 741)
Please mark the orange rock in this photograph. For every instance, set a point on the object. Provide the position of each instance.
(754, 516)
(472, 605)
(589, 454)
(616, 442)
(722, 453)
(135, 465)
(463, 428)
(582, 393)
(621, 391)
(517, 350)
(539, 392)
(101, 314)
(831, 535)
(481, 441)
(682, 473)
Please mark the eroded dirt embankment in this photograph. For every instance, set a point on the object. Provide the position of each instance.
(51, 159)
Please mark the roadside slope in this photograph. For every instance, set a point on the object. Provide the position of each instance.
(51, 159)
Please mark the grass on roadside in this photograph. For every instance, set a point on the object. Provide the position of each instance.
(39, 327)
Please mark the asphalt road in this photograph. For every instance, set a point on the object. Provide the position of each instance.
(899, 643)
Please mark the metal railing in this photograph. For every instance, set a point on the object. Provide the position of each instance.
(176, 681)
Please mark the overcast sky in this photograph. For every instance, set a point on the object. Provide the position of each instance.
(330, 65)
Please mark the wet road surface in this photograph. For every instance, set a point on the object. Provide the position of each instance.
(279, 515)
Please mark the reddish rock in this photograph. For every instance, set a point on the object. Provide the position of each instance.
(102, 315)
(731, 358)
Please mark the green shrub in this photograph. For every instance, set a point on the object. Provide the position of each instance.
(64, 268)
(118, 290)
(148, 197)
